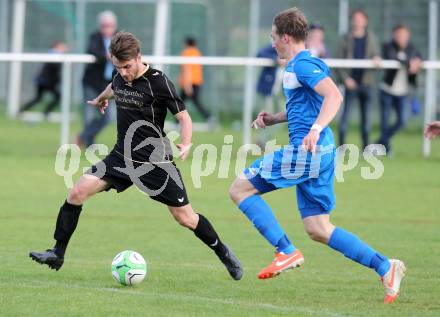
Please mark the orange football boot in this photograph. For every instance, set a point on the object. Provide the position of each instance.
(281, 263)
(391, 280)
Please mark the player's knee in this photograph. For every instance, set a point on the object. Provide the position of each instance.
(236, 191)
(233, 194)
(185, 219)
(181, 220)
(77, 195)
(317, 234)
(186, 222)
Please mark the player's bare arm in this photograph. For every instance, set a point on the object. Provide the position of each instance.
(330, 106)
(185, 132)
(102, 100)
(265, 119)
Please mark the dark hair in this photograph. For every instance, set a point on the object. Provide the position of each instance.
(124, 46)
(400, 26)
(361, 11)
(316, 26)
(190, 41)
(293, 23)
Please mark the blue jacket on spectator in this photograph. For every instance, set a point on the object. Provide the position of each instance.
(268, 73)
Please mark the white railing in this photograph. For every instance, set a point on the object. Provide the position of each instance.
(68, 59)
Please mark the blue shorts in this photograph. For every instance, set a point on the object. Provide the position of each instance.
(289, 166)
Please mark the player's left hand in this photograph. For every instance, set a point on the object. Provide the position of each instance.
(309, 142)
(184, 150)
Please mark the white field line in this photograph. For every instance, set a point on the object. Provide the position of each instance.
(185, 298)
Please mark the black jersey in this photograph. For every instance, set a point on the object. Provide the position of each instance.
(142, 106)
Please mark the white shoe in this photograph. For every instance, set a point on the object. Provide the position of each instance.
(391, 280)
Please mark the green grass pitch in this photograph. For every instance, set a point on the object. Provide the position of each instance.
(398, 214)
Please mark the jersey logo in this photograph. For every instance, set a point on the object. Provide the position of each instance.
(290, 81)
(155, 74)
(316, 71)
(253, 171)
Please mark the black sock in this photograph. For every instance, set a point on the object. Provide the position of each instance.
(205, 232)
(66, 225)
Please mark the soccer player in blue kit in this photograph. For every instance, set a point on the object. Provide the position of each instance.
(312, 101)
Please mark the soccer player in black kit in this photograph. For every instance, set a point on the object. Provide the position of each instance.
(141, 156)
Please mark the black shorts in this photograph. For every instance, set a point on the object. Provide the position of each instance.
(161, 181)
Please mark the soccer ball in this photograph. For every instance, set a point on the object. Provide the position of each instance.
(129, 268)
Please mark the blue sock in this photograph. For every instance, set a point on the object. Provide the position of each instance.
(262, 217)
(357, 250)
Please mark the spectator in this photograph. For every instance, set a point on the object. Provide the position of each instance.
(267, 86)
(267, 77)
(397, 83)
(48, 80)
(315, 41)
(359, 43)
(191, 77)
(97, 76)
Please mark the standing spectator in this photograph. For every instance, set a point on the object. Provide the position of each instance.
(48, 80)
(97, 76)
(397, 83)
(359, 43)
(315, 41)
(191, 77)
(266, 86)
(267, 77)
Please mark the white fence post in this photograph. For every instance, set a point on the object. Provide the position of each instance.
(65, 102)
(160, 29)
(430, 83)
(343, 17)
(249, 92)
(16, 47)
(4, 45)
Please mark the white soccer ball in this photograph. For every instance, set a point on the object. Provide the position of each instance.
(129, 268)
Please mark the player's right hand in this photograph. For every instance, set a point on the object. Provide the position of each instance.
(183, 150)
(102, 105)
(263, 120)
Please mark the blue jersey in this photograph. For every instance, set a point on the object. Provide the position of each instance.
(290, 166)
(303, 103)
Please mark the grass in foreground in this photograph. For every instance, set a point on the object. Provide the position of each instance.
(397, 214)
